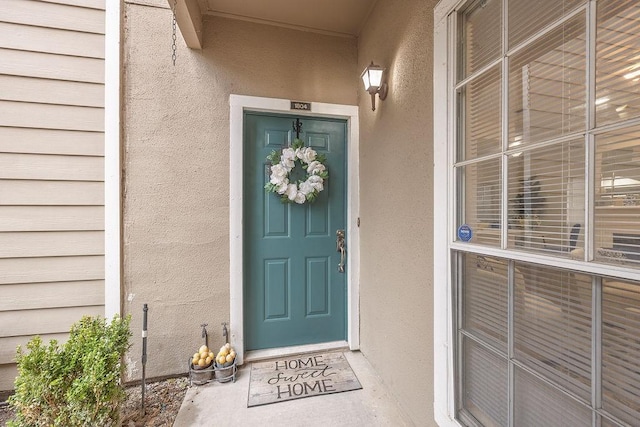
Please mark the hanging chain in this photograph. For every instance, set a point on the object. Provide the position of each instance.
(173, 35)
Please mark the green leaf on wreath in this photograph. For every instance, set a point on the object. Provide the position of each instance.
(274, 157)
(311, 197)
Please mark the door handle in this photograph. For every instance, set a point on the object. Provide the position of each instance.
(340, 247)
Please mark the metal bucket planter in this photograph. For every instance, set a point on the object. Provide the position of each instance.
(225, 373)
(200, 375)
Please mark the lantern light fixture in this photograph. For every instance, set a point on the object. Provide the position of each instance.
(372, 78)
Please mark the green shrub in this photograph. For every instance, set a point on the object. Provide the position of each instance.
(74, 384)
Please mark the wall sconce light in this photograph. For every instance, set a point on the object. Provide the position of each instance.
(372, 79)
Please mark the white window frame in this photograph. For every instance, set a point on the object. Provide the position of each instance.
(445, 33)
(443, 341)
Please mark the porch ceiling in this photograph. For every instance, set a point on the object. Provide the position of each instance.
(336, 17)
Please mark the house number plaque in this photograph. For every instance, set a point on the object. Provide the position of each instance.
(297, 105)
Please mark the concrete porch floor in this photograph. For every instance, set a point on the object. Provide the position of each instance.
(220, 404)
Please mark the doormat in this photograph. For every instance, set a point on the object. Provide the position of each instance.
(300, 376)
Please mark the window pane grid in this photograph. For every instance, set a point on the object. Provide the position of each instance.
(546, 199)
(572, 338)
(481, 111)
(617, 187)
(553, 325)
(480, 24)
(547, 80)
(521, 26)
(539, 404)
(484, 299)
(482, 205)
(618, 61)
(621, 349)
(552, 343)
(484, 379)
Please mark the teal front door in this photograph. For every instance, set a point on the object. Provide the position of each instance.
(293, 290)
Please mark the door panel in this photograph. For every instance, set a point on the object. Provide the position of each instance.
(293, 292)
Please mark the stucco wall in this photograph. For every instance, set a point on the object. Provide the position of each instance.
(176, 162)
(396, 164)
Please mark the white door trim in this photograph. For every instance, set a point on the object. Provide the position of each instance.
(238, 105)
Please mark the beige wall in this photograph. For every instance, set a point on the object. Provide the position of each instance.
(176, 162)
(396, 164)
(176, 178)
(51, 170)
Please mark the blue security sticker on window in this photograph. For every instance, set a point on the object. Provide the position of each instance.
(465, 233)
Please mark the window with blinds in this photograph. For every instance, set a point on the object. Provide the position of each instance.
(547, 167)
(546, 199)
(525, 21)
(621, 349)
(485, 300)
(561, 169)
(480, 24)
(547, 85)
(481, 184)
(617, 61)
(552, 326)
(617, 189)
(560, 346)
(481, 116)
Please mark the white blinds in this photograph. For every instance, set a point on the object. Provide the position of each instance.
(483, 198)
(546, 199)
(552, 325)
(480, 38)
(617, 184)
(547, 85)
(486, 385)
(527, 17)
(621, 350)
(481, 102)
(484, 299)
(565, 344)
(617, 61)
(538, 404)
(550, 345)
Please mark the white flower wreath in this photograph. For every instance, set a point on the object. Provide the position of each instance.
(283, 162)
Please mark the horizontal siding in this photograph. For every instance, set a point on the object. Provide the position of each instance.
(51, 167)
(51, 218)
(45, 321)
(51, 295)
(9, 345)
(53, 15)
(54, 269)
(44, 116)
(51, 193)
(8, 374)
(51, 170)
(49, 66)
(46, 91)
(51, 244)
(51, 40)
(93, 4)
(51, 141)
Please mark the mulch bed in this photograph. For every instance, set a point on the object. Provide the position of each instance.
(162, 403)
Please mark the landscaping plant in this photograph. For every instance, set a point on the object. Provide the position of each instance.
(77, 383)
